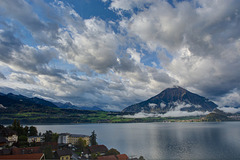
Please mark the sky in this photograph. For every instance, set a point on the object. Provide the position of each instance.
(114, 53)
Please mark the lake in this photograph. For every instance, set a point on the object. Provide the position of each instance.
(163, 140)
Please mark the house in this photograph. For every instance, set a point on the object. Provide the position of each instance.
(63, 138)
(35, 139)
(3, 142)
(28, 150)
(5, 151)
(122, 157)
(63, 154)
(35, 156)
(114, 157)
(67, 138)
(73, 138)
(10, 135)
(102, 149)
(111, 157)
(53, 145)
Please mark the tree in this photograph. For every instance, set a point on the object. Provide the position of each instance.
(1, 126)
(33, 131)
(22, 141)
(141, 158)
(49, 136)
(26, 129)
(81, 144)
(15, 125)
(48, 152)
(113, 151)
(54, 137)
(93, 138)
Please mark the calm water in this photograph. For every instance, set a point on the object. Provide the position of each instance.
(164, 140)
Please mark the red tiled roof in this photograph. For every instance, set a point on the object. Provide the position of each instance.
(98, 148)
(28, 150)
(122, 157)
(112, 157)
(35, 156)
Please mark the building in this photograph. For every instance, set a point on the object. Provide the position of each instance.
(10, 135)
(5, 151)
(73, 138)
(63, 138)
(114, 157)
(35, 156)
(3, 142)
(102, 149)
(122, 157)
(63, 154)
(111, 157)
(35, 139)
(67, 138)
(28, 150)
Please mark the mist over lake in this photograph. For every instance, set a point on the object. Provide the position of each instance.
(163, 140)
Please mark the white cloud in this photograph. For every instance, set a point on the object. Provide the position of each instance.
(196, 42)
(229, 109)
(127, 5)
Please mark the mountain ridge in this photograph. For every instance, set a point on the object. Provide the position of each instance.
(171, 98)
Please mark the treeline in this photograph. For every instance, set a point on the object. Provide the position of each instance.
(24, 132)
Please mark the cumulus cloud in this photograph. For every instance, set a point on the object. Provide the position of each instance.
(202, 41)
(128, 5)
(196, 44)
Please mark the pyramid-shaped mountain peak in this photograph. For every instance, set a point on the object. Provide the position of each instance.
(171, 98)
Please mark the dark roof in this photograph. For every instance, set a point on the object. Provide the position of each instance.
(98, 148)
(54, 145)
(63, 134)
(35, 156)
(36, 137)
(112, 157)
(73, 135)
(28, 150)
(64, 152)
(78, 135)
(5, 132)
(122, 157)
(5, 151)
(3, 140)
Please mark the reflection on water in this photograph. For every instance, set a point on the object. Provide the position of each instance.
(164, 140)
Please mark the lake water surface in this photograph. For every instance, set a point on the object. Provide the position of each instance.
(163, 140)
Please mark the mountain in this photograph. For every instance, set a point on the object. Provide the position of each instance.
(69, 105)
(170, 99)
(94, 108)
(11, 103)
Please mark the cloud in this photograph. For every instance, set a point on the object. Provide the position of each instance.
(168, 114)
(25, 78)
(231, 99)
(128, 5)
(151, 46)
(93, 49)
(229, 109)
(2, 76)
(199, 39)
(176, 111)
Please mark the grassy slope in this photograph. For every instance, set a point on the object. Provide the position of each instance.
(75, 116)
